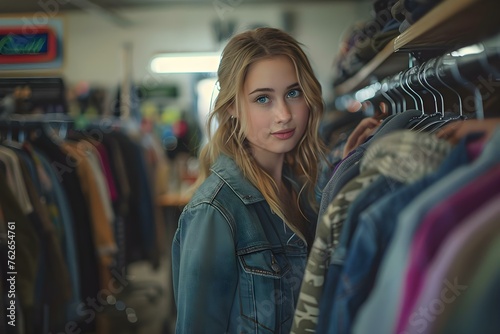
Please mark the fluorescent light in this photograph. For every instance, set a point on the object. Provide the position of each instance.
(195, 62)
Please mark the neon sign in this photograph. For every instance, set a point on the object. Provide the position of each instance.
(17, 47)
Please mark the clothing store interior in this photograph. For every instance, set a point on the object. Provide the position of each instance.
(102, 113)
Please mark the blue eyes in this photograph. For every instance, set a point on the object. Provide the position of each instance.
(262, 99)
(294, 93)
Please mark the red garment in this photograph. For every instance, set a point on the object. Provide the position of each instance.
(106, 167)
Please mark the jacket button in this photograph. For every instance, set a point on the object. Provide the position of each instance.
(274, 264)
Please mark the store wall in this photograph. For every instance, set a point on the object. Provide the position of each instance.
(94, 44)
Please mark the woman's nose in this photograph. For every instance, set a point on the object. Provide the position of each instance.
(283, 114)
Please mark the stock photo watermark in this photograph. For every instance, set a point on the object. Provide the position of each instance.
(427, 314)
(223, 7)
(11, 274)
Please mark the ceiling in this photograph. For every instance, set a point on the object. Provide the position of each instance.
(109, 8)
(23, 6)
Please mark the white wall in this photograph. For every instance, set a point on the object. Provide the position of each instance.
(94, 45)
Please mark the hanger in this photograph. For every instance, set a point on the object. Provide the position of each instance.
(393, 87)
(478, 99)
(407, 87)
(423, 81)
(461, 116)
(383, 89)
(409, 75)
(428, 72)
(18, 126)
(424, 116)
(439, 117)
(15, 127)
(443, 82)
(490, 51)
(63, 130)
(402, 75)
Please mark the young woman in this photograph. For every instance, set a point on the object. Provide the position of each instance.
(242, 242)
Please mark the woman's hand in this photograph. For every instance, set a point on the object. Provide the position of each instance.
(363, 130)
(455, 131)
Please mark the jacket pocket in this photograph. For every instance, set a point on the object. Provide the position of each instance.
(266, 302)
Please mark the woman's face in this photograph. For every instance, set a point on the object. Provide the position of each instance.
(275, 108)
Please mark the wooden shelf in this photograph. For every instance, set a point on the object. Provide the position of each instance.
(450, 25)
(385, 63)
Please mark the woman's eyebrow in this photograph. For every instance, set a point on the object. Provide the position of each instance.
(261, 90)
(294, 85)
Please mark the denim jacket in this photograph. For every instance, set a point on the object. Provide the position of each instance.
(237, 268)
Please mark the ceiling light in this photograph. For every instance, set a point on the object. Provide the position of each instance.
(194, 62)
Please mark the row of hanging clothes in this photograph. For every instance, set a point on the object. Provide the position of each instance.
(408, 232)
(81, 199)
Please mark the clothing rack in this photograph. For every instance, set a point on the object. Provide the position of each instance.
(18, 123)
(461, 72)
(47, 94)
(45, 132)
(29, 120)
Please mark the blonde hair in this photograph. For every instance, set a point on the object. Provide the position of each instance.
(241, 51)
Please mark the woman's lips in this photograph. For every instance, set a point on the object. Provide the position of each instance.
(284, 134)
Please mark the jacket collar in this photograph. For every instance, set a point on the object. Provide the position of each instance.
(227, 170)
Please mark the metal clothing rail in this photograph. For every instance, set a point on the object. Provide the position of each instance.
(462, 72)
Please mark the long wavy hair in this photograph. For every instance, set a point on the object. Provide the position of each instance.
(228, 138)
